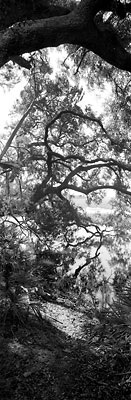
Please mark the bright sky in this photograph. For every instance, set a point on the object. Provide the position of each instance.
(7, 100)
(95, 98)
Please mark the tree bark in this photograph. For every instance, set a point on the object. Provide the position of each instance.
(13, 11)
(25, 34)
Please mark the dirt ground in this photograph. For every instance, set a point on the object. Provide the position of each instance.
(36, 358)
(48, 357)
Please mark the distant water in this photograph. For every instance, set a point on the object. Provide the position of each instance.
(101, 210)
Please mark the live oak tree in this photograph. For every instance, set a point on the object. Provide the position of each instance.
(60, 150)
(55, 148)
(30, 25)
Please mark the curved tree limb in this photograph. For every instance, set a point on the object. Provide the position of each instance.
(86, 165)
(75, 27)
(94, 188)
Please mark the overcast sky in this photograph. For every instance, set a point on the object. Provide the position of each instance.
(8, 98)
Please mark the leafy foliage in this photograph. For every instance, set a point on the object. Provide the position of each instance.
(63, 159)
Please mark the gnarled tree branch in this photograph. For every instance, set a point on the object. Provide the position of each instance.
(73, 27)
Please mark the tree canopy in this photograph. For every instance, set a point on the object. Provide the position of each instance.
(59, 150)
(60, 159)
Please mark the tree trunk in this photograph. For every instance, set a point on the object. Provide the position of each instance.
(74, 27)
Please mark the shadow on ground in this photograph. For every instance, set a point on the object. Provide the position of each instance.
(35, 361)
(39, 361)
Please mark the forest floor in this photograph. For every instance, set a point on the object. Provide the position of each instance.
(49, 356)
(41, 359)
